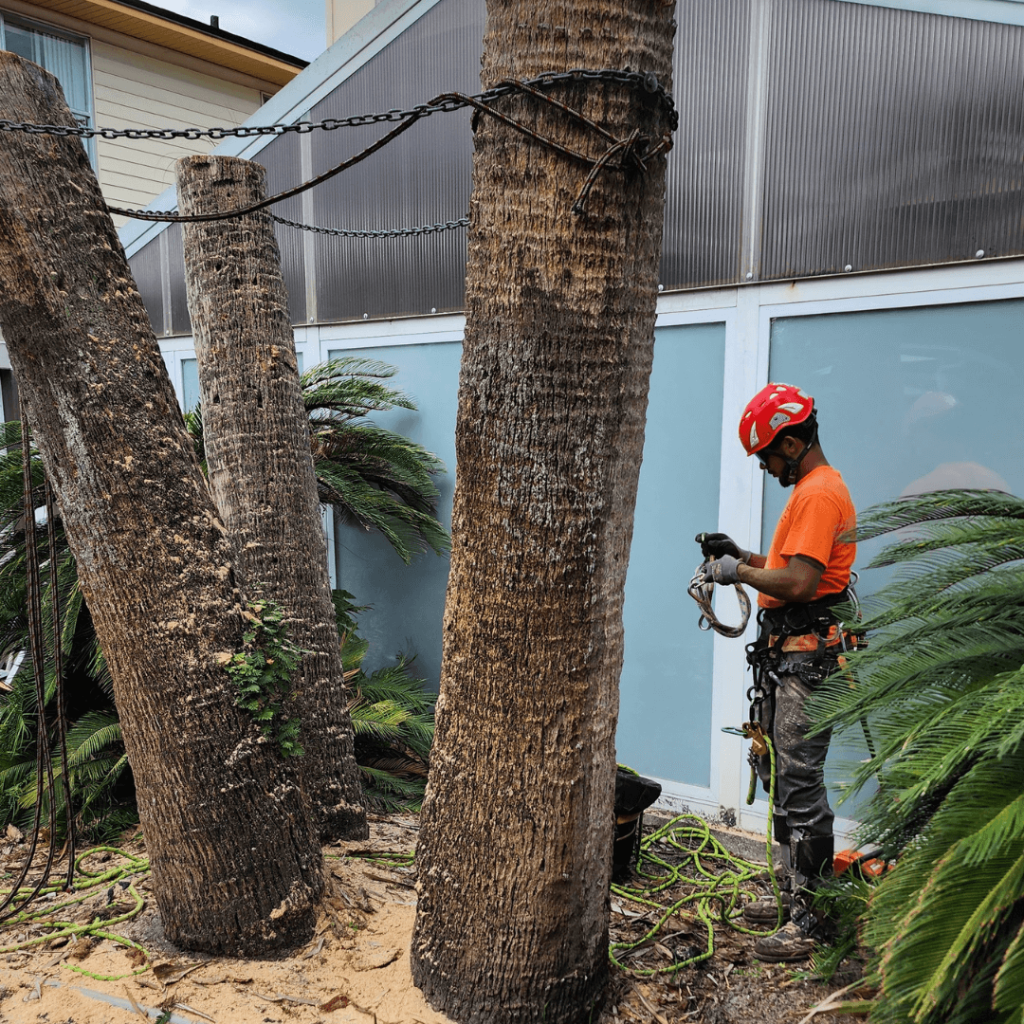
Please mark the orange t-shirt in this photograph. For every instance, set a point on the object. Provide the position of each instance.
(818, 512)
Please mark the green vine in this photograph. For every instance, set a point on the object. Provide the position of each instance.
(262, 672)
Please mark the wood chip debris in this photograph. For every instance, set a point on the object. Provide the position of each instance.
(650, 1009)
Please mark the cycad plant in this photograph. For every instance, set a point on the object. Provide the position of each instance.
(373, 477)
(942, 689)
(392, 717)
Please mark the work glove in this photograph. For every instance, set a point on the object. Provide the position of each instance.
(721, 570)
(714, 545)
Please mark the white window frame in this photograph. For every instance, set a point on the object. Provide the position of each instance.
(87, 117)
(748, 312)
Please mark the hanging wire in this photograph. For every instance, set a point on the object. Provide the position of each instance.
(16, 899)
(58, 675)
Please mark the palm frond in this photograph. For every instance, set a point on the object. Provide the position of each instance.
(942, 689)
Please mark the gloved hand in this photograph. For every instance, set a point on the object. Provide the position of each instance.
(721, 570)
(714, 545)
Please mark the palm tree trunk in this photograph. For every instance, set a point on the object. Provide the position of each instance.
(260, 465)
(235, 865)
(516, 832)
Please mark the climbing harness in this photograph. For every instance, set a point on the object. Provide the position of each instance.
(702, 592)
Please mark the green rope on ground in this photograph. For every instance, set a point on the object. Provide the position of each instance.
(722, 888)
(85, 884)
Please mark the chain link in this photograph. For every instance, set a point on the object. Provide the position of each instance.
(423, 229)
(634, 79)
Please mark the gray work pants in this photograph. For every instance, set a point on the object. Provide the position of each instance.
(801, 801)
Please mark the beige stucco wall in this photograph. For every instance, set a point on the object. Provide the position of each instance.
(131, 90)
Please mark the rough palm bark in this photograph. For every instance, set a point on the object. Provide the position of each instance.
(235, 864)
(256, 434)
(516, 833)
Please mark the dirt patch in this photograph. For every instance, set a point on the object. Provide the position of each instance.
(356, 969)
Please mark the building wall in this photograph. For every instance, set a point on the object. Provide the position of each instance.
(916, 375)
(132, 90)
(137, 84)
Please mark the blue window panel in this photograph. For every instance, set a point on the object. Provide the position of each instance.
(189, 384)
(909, 400)
(665, 696)
(406, 602)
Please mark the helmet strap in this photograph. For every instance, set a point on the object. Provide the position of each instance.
(793, 465)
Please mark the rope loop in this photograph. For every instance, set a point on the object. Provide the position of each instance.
(703, 593)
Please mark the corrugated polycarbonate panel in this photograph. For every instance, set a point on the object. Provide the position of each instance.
(893, 139)
(704, 203)
(814, 136)
(181, 323)
(147, 270)
(283, 162)
(421, 178)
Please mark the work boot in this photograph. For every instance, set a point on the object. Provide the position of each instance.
(766, 912)
(789, 943)
(812, 858)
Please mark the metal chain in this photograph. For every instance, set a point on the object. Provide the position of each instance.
(634, 150)
(647, 82)
(423, 229)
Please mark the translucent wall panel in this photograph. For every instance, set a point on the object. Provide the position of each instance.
(421, 178)
(181, 323)
(910, 400)
(406, 601)
(704, 201)
(147, 269)
(893, 139)
(665, 695)
(284, 166)
(814, 136)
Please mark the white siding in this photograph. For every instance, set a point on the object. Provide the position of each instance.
(135, 91)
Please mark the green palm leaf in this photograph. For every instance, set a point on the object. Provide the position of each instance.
(942, 688)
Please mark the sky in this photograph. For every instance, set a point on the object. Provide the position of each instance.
(293, 26)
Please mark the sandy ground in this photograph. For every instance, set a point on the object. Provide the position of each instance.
(356, 969)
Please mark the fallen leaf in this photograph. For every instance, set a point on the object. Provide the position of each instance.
(135, 1006)
(192, 1009)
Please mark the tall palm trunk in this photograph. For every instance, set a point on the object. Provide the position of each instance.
(256, 434)
(235, 864)
(516, 834)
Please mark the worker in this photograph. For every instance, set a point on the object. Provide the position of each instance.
(805, 574)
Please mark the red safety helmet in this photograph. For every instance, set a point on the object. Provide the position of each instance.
(773, 408)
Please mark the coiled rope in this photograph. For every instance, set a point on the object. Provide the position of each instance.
(46, 918)
(715, 878)
(702, 592)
